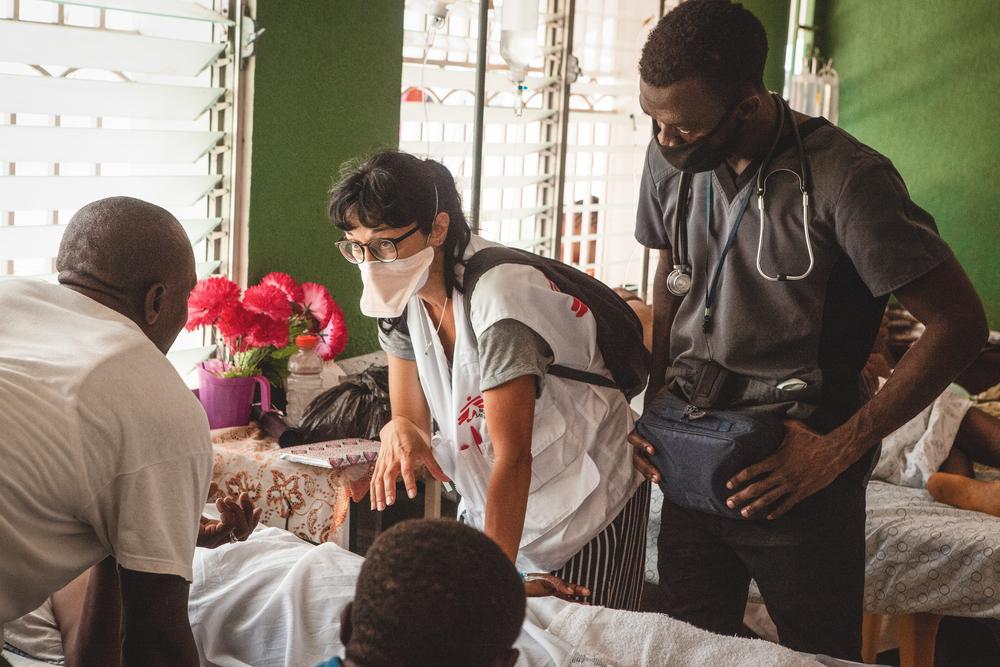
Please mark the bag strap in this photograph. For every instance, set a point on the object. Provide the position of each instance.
(582, 376)
(491, 257)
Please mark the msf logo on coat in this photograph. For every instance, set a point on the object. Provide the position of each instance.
(578, 307)
(474, 409)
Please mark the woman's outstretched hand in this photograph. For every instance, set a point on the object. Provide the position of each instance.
(405, 449)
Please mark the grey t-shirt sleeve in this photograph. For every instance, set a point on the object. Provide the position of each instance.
(890, 240)
(650, 229)
(397, 343)
(510, 349)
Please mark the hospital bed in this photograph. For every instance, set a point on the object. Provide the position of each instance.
(275, 601)
(925, 560)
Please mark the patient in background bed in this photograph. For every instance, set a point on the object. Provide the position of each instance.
(937, 448)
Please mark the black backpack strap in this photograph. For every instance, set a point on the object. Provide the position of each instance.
(486, 259)
(581, 376)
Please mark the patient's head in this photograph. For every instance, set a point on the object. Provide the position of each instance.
(434, 593)
(133, 257)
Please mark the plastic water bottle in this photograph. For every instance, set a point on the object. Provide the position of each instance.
(305, 381)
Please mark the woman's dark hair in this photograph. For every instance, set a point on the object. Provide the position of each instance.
(717, 41)
(397, 189)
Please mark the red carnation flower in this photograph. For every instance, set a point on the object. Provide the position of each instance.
(318, 303)
(208, 299)
(270, 301)
(285, 283)
(333, 337)
(234, 326)
(266, 331)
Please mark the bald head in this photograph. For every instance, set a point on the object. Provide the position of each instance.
(133, 257)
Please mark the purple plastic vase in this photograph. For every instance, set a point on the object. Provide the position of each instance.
(227, 401)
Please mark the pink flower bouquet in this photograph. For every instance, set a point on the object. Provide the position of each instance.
(258, 327)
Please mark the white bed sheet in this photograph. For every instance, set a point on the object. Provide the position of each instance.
(276, 600)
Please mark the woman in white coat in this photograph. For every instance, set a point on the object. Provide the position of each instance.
(542, 462)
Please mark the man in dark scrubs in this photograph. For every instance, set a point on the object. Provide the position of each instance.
(796, 346)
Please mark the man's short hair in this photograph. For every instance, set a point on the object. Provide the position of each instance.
(717, 41)
(435, 593)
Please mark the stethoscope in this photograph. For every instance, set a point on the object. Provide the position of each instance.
(679, 280)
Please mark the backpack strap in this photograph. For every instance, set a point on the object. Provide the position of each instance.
(582, 376)
(486, 259)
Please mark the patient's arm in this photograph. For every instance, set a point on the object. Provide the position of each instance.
(237, 519)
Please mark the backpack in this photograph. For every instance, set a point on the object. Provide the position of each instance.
(619, 331)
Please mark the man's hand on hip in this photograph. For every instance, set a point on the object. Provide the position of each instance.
(805, 463)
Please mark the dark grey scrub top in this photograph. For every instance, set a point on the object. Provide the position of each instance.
(868, 237)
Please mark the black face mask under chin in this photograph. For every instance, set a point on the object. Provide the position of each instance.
(708, 152)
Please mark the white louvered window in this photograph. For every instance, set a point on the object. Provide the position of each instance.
(607, 139)
(102, 98)
(606, 133)
(438, 97)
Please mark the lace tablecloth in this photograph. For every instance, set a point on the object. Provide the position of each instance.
(309, 501)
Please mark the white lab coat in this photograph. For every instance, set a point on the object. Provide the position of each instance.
(581, 473)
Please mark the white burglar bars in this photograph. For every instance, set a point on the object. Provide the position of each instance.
(103, 98)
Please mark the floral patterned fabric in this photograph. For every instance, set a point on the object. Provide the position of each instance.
(309, 501)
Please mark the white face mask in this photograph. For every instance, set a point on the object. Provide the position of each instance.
(389, 286)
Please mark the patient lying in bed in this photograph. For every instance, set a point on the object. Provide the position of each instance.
(937, 448)
(276, 600)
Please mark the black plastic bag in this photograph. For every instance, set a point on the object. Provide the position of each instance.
(356, 408)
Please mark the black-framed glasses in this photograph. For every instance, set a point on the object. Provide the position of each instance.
(383, 250)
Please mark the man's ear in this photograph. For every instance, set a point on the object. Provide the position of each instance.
(346, 630)
(439, 229)
(749, 106)
(152, 305)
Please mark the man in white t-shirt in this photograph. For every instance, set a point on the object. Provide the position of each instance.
(104, 452)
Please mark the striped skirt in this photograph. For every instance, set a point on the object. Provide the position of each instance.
(613, 564)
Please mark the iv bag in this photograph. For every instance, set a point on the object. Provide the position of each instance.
(815, 91)
(519, 36)
(436, 9)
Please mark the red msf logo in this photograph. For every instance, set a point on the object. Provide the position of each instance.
(473, 409)
(579, 307)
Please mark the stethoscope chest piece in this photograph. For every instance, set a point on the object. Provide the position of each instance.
(679, 280)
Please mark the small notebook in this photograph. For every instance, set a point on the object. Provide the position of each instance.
(333, 454)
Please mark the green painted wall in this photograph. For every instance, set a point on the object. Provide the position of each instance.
(774, 15)
(327, 87)
(919, 81)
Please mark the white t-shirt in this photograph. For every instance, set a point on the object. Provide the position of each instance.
(103, 450)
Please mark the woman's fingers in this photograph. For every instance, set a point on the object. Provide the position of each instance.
(433, 468)
(409, 478)
(389, 477)
(378, 496)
